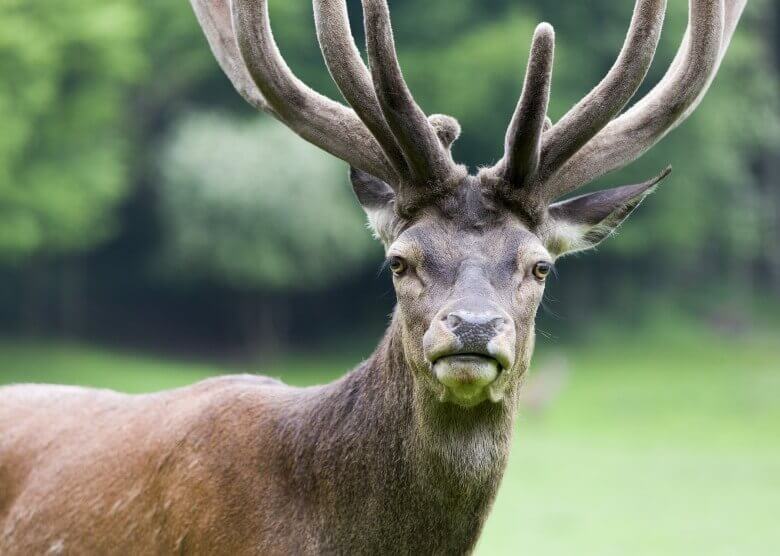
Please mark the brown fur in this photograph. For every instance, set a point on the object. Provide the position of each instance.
(368, 464)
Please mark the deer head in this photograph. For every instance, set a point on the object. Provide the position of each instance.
(470, 253)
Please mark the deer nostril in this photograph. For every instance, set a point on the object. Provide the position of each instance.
(459, 320)
(453, 320)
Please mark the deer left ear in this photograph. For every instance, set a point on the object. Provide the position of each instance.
(378, 201)
(585, 221)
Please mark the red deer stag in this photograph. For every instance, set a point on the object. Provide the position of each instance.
(404, 454)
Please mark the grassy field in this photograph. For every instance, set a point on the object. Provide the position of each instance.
(662, 445)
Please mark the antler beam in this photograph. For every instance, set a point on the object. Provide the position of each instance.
(214, 18)
(385, 134)
(428, 161)
(710, 28)
(245, 49)
(352, 76)
(611, 95)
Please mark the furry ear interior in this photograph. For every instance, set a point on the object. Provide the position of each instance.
(585, 221)
(378, 201)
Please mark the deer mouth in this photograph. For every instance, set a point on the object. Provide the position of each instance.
(466, 375)
(468, 358)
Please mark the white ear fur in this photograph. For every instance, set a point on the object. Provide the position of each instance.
(378, 201)
(383, 223)
(562, 238)
(585, 221)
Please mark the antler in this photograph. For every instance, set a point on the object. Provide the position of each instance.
(427, 159)
(524, 136)
(669, 103)
(385, 133)
(589, 140)
(268, 84)
(214, 18)
(352, 76)
(612, 94)
(320, 120)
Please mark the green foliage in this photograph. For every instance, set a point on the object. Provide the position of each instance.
(251, 204)
(477, 77)
(91, 88)
(714, 197)
(66, 73)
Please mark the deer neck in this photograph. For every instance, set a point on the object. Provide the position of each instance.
(377, 444)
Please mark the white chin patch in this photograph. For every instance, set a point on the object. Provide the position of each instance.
(466, 377)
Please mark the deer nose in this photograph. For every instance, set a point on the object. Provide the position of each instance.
(474, 330)
(469, 328)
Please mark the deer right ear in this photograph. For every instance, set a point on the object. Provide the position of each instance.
(378, 201)
(583, 222)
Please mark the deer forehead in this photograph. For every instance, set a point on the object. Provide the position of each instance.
(447, 245)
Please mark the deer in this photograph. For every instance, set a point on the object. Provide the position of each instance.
(405, 453)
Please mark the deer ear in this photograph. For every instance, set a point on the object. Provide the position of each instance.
(378, 201)
(585, 221)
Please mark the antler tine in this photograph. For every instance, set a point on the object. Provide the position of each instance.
(327, 124)
(428, 161)
(352, 76)
(446, 127)
(711, 25)
(214, 19)
(732, 11)
(611, 95)
(524, 136)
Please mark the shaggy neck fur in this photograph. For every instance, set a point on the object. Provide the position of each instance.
(389, 469)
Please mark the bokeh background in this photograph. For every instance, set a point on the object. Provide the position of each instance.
(155, 230)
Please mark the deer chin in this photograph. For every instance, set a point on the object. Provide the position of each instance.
(466, 377)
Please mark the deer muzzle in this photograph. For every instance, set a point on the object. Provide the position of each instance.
(468, 346)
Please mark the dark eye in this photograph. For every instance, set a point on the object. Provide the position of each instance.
(542, 270)
(397, 265)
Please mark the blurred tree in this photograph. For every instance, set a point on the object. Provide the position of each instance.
(252, 205)
(90, 91)
(63, 149)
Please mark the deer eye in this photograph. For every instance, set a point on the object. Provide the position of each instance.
(397, 265)
(541, 270)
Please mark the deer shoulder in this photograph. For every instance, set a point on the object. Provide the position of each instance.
(160, 470)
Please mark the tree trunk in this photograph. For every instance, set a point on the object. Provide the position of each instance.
(35, 304)
(265, 325)
(71, 297)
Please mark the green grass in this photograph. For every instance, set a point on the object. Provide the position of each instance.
(667, 444)
(653, 448)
